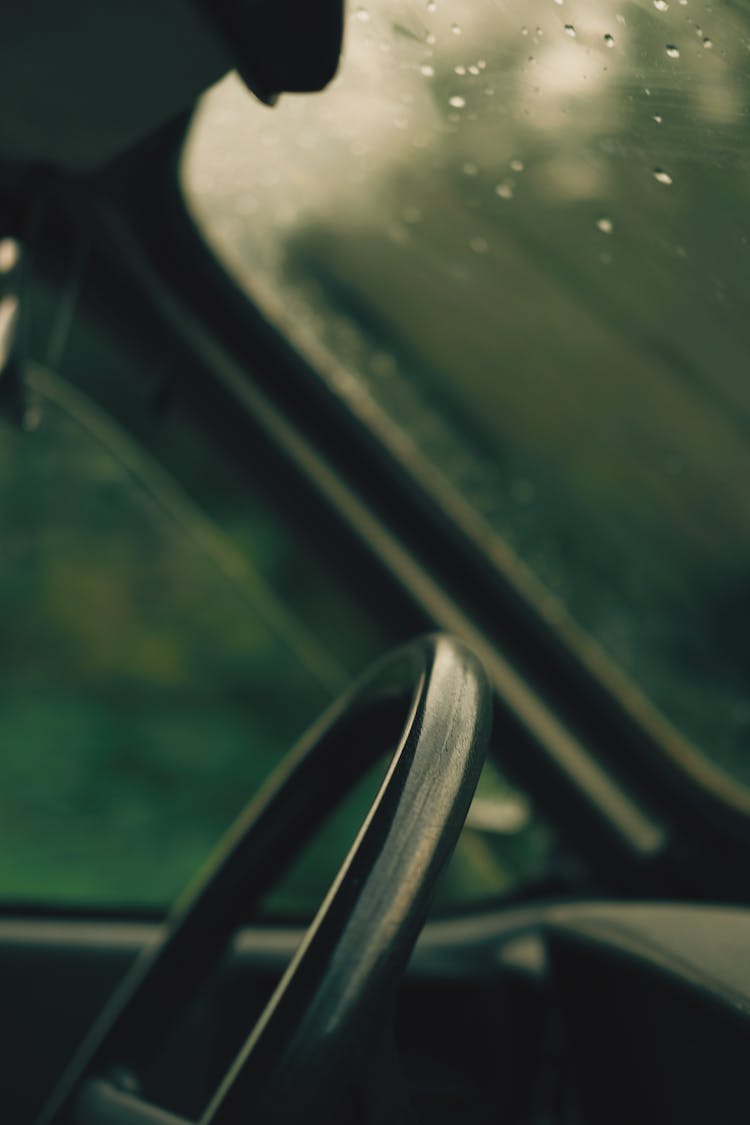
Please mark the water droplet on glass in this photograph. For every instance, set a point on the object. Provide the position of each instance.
(479, 245)
(661, 5)
(524, 31)
(10, 253)
(517, 165)
(620, 19)
(707, 43)
(609, 40)
(672, 51)
(474, 71)
(505, 191)
(457, 101)
(363, 15)
(460, 70)
(455, 29)
(431, 6)
(427, 70)
(570, 30)
(482, 64)
(606, 226)
(559, 3)
(662, 176)
(658, 118)
(470, 169)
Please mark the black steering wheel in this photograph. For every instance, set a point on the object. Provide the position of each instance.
(310, 1051)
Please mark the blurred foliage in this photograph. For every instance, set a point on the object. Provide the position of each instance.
(142, 699)
(156, 661)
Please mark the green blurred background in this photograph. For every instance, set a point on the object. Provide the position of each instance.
(167, 634)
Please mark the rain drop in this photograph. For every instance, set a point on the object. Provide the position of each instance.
(460, 70)
(658, 118)
(431, 6)
(662, 177)
(609, 40)
(455, 29)
(570, 30)
(606, 226)
(517, 165)
(707, 43)
(505, 191)
(363, 15)
(470, 169)
(661, 5)
(10, 254)
(457, 101)
(474, 71)
(427, 70)
(672, 51)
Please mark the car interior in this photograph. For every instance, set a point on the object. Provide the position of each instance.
(374, 447)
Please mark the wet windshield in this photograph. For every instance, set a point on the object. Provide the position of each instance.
(521, 232)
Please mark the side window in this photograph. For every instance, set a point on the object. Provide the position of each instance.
(166, 633)
(150, 674)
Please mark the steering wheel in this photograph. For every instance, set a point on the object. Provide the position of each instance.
(313, 1045)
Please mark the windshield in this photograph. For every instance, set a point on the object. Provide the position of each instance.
(521, 232)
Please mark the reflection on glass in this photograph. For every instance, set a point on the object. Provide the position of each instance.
(522, 232)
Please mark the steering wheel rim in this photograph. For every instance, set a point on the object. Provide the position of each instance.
(332, 1000)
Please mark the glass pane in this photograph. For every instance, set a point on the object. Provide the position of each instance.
(151, 674)
(156, 663)
(520, 232)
